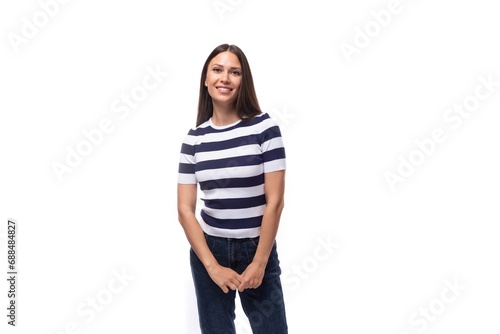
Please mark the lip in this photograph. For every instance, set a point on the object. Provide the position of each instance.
(224, 89)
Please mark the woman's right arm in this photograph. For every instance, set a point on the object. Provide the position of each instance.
(225, 278)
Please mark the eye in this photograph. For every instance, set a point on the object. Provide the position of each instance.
(217, 70)
(236, 72)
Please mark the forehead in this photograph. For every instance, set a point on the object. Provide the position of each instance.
(226, 58)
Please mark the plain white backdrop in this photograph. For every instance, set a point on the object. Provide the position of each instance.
(364, 91)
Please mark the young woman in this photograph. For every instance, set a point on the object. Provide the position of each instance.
(235, 154)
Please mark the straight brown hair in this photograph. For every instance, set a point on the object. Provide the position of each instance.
(247, 104)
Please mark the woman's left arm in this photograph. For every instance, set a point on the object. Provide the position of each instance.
(274, 188)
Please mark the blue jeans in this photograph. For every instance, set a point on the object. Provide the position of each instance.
(264, 306)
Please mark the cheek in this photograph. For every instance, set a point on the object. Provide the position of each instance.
(208, 79)
(237, 85)
(211, 91)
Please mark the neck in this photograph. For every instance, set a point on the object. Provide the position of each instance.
(224, 115)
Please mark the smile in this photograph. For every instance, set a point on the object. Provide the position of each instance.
(224, 89)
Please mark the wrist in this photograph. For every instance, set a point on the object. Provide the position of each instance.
(260, 261)
(210, 264)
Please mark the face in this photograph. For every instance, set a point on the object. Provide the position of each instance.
(223, 78)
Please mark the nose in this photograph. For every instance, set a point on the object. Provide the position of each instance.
(225, 77)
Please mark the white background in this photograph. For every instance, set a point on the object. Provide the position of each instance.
(345, 124)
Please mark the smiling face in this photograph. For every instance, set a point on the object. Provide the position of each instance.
(223, 79)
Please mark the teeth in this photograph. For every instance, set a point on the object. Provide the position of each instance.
(224, 89)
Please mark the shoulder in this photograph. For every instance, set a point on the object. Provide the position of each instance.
(265, 123)
(193, 135)
(262, 122)
(199, 130)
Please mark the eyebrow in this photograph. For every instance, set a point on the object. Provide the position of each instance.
(233, 68)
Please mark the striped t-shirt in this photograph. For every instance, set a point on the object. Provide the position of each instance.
(228, 162)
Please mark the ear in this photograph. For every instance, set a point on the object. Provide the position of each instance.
(206, 85)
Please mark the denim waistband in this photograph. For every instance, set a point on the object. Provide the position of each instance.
(232, 239)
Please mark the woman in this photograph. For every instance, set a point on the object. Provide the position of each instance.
(236, 156)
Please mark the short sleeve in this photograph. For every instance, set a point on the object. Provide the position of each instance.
(272, 147)
(187, 162)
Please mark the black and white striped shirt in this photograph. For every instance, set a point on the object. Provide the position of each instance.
(229, 162)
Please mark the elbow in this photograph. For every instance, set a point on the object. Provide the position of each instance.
(183, 214)
(277, 206)
(281, 206)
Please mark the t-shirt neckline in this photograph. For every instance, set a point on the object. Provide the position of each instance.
(220, 127)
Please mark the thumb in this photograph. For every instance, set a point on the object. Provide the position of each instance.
(243, 283)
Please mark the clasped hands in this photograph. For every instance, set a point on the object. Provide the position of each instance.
(227, 278)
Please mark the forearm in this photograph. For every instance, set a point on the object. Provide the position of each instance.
(268, 232)
(196, 238)
(225, 278)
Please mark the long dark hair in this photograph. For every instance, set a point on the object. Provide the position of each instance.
(247, 104)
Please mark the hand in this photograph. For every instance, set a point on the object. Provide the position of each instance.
(225, 278)
(252, 277)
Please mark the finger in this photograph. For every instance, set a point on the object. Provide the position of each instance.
(239, 278)
(236, 282)
(254, 284)
(247, 283)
